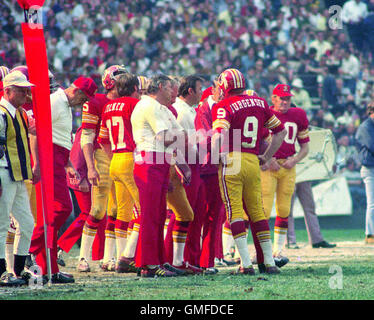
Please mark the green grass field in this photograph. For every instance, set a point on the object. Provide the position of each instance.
(343, 273)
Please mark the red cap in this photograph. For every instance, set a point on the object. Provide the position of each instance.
(87, 85)
(206, 93)
(282, 90)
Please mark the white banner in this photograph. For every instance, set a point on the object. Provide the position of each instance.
(332, 197)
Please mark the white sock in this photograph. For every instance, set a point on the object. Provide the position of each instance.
(9, 257)
(280, 236)
(121, 245)
(110, 248)
(227, 242)
(132, 242)
(178, 252)
(88, 237)
(267, 250)
(241, 244)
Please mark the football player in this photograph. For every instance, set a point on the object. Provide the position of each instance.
(279, 175)
(117, 140)
(212, 205)
(103, 190)
(241, 116)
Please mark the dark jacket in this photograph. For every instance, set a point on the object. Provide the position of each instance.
(365, 142)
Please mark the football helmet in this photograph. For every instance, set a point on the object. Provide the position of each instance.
(143, 81)
(250, 93)
(231, 79)
(109, 77)
(3, 72)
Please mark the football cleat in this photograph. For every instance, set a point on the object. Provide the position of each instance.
(83, 266)
(156, 272)
(241, 270)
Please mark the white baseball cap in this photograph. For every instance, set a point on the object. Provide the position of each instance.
(16, 78)
(297, 83)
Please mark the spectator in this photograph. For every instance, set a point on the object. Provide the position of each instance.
(345, 151)
(353, 14)
(349, 70)
(301, 97)
(64, 18)
(308, 72)
(320, 44)
(364, 144)
(65, 45)
(356, 186)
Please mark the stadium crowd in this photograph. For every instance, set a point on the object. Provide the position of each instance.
(271, 42)
(326, 62)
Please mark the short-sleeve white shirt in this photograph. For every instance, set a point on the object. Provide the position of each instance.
(62, 120)
(148, 119)
(186, 116)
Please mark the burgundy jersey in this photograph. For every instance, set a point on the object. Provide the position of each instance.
(203, 124)
(116, 126)
(244, 117)
(296, 123)
(91, 115)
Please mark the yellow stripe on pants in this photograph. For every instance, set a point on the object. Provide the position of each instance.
(104, 194)
(243, 184)
(122, 173)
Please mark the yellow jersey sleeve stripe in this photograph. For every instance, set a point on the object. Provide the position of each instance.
(303, 134)
(221, 123)
(273, 122)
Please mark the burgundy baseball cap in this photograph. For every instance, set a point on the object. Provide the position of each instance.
(206, 93)
(87, 85)
(282, 90)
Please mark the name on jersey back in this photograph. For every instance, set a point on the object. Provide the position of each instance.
(246, 103)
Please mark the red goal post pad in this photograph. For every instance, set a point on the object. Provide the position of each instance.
(27, 4)
(37, 63)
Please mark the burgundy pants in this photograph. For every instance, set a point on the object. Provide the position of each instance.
(195, 193)
(62, 209)
(152, 181)
(212, 222)
(74, 232)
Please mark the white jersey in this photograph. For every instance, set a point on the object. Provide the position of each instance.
(62, 120)
(148, 119)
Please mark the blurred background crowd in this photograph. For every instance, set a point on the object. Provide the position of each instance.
(326, 56)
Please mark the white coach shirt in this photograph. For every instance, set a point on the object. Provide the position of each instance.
(148, 119)
(186, 114)
(186, 117)
(62, 120)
